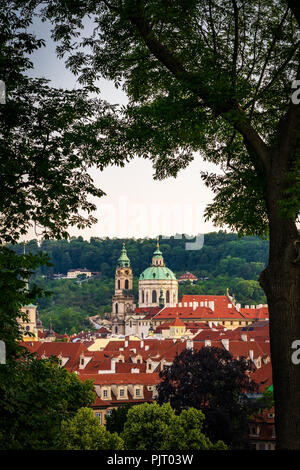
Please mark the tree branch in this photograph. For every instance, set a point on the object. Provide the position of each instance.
(196, 84)
(236, 43)
(266, 61)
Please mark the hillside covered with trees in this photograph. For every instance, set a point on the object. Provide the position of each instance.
(225, 261)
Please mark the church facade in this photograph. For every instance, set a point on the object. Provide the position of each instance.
(158, 288)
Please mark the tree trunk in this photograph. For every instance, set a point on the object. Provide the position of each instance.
(281, 283)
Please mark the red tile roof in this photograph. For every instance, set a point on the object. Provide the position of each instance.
(122, 378)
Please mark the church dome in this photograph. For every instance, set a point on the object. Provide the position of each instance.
(157, 272)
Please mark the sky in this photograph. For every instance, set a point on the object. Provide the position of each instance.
(135, 204)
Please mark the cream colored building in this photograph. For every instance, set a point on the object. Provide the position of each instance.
(30, 326)
(74, 273)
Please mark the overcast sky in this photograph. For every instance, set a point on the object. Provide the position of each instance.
(135, 204)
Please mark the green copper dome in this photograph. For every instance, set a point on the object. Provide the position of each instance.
(123, 259)
(157, 272)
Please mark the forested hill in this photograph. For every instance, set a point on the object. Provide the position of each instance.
(101, 254)
(224, 261)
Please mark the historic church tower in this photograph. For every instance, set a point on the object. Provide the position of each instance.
(123, 300)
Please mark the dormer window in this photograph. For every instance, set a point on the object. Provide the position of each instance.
(105, 393)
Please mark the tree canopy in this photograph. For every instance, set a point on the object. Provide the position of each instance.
(36, 396)
(211, 380)
(153, 427)
(83, 432)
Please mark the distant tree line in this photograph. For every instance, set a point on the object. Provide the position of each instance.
(101, 254)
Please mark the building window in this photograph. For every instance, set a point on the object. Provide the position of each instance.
(137, 392)
(167, 297)
(122, 392)
(27, 328)
(116, 307)
(126, 284)
(99, 416)
(143, 297)
(119, 284)
(105, 394)
(154, 296)
(108, 412)
(149, 366)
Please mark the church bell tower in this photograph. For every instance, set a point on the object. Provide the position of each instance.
(123, 299)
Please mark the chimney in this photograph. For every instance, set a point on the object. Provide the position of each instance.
(189, 344)
(210, 324)
(195, 305)
(251, 354)
(207, 342)
(211, 305)
(238, 306)
(142, 344)
(225, 343)
(126, 343)
(244, 337)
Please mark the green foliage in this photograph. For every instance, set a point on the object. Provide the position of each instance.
(266, 401)
(186, 433)
(115, 422)
(36, 395)
(15, 271)
(154, 427)
(83, 432)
